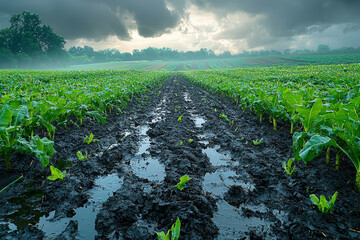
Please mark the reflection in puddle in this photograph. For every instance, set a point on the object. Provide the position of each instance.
(232, 223)
(142, 164)
(187, 97)
(28, 212)
(85, 215)
(216, 158)
(219, 182)
(199, 121)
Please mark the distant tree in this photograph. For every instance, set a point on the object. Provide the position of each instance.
(323, 48)
(225, 54)
(287, 51)
(27, 39)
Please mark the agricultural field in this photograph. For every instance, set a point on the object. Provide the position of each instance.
(226, 63)
(244, 153)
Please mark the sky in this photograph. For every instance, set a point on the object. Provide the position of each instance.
(188, 25)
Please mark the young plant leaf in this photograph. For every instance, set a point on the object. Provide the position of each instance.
(183, 180)
(175, 230)
(56, 174)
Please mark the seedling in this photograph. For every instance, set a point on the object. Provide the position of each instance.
(179, 118)
(190, 140)
(181, 143)
(324, 205)
(223, 116)
(240, 139)
(176, 101)
(258, 142)
(89, 139)
(183, 180)
(215, 110)
(81, 156)
(175, 232)
(287, 166)
(56, 174)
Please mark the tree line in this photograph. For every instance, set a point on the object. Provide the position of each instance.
(27, 43)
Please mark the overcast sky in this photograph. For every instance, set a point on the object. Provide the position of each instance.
(221, 25)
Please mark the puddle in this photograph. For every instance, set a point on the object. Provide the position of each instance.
(216, 158)
(232, 223)
(143, 165)
(27, 213)
(86, 215)
(199, 121)
(187, 97)
(219, 182)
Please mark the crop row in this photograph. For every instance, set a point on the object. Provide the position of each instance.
(323, 101)
(33, 101)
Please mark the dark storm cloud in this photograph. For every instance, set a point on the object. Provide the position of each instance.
(268, 21)
(97, 19)
(285, 18)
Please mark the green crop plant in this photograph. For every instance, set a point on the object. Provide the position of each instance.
(258, 142)
(181, 143)
(190, 140)
(89, 139)
(223, 116)
(33, 101)
(180, 118)
(56, 174)
(81, 156)
(175, 232)
(287, 166)
(324, 205)
(183, 180)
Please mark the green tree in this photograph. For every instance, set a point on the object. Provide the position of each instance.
(27, 38)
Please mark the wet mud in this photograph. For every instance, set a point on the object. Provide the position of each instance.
(125, 190)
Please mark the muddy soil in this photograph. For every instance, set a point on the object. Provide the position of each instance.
(125, 190)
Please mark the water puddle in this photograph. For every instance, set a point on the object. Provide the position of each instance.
(232, 223)
(158, 114)
(27, 213)
(187, 97)
(143, 165)
(199, 121)
(86, 215)
(219, 182)
(216, 158)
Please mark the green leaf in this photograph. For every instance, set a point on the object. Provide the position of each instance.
(175, 230)
(314, 199)
(5, 116)
(43, 149)
(310, 116)
(20, 114)
(298, 140)
(284, 165)
(80, 155)
(97, 115)
(324, 203)
(56, 174)
(332, 202)
(162, 236)
(314, 147)
(183, 180)
(179, 118)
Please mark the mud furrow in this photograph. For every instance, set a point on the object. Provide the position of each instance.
(125, 190)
